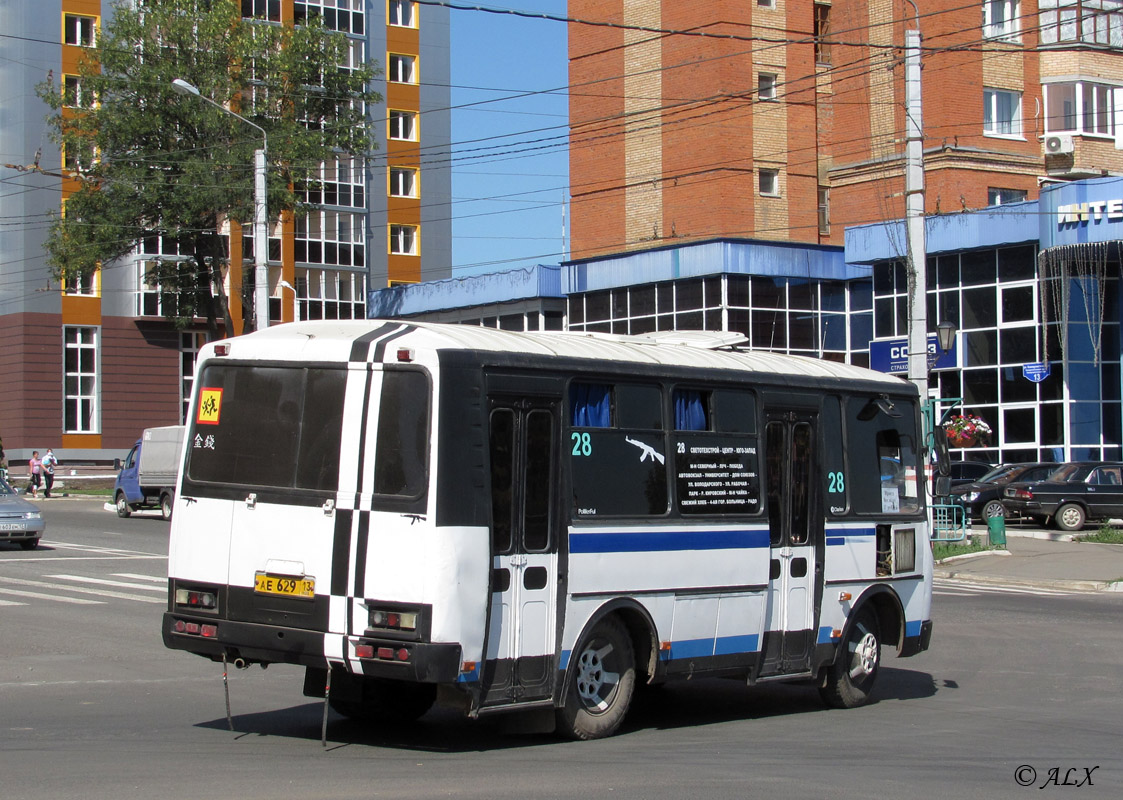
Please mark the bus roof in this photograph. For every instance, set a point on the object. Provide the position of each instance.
(359, 340)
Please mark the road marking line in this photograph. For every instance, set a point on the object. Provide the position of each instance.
(161, 579)
(40, 596)
(95, 548)
(104, 582)
(81, 590)
(11, 603)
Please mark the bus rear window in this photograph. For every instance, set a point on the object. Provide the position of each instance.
(267, 426)
(403, 434)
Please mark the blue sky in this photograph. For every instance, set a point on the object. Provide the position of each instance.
(508, 198)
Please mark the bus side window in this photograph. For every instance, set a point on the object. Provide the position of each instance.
(502, 477)
(691, 410)
(882, 448)
(590, 405)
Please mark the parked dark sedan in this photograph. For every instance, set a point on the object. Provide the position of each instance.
(967, 471)
(983, 498)
(1076, 492)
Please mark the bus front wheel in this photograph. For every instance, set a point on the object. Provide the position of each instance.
(852, 676)
(601, 682)
(122, 504)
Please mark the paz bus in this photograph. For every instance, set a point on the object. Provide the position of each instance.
(423, 513)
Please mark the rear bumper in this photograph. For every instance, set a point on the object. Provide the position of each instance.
(274, 644)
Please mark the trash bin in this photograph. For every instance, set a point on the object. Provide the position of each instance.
(996, 531)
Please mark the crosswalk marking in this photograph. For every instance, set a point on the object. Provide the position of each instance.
(160, 579)
(80, 590)
(41, 596)
(966, 589)
(104, 582)
(11, 603)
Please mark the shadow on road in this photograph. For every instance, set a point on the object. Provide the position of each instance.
(680, 705)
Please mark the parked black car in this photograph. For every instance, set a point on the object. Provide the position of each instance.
(983, 498)
(968, 471)
(1076, 492)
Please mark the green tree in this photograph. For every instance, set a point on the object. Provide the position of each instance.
(153, 162)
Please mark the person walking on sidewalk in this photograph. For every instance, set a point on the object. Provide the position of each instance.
(49, 464)
(35, 470)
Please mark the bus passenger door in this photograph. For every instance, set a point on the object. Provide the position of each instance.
(523, 437)
(795, 526)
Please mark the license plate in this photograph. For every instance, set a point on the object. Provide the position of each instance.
(284, 585)
(13, 526)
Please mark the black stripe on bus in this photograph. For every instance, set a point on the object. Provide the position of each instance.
(363, 437)
(361, 554)
(380, 349)
(360, 348)
(341, 552)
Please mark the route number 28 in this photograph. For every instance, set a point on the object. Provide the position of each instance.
(582, 444)
(836, 484)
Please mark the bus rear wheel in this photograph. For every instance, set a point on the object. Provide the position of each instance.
(851, 678)
(601, 683)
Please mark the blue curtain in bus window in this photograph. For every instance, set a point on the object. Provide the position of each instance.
(590, 405)
(690, 410)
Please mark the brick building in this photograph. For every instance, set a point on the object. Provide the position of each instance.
(782, 120)
(84, 368)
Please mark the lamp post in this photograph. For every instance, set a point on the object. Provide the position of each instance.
(261, 242)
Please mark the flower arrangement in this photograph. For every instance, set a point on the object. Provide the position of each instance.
(966, 430)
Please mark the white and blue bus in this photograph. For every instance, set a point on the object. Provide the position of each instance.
(499, 521)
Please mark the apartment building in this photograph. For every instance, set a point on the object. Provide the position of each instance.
(780, 120)
(86, 366)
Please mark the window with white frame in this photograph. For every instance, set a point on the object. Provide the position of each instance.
(154, 298)
(403, 125)
(80, 379)
(1002, 112)
(766, 86)
(330, 294)
(79, 30)
(403, 182)
(330, 237)
(768, 182)
(189, 345)
(340, 182)
(74, 93)
(1080, 107)
(824, 197)
(338, 15)
(1097, 22)
(403, 69)
(1000, 197)
(403, 240)
(1000, 18)
(262, 9)
(401, 14)
(81, 283)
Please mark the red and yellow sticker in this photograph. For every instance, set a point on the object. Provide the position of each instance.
(210, 406)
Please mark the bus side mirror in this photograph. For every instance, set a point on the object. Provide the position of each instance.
(943, 485)
(940, 443)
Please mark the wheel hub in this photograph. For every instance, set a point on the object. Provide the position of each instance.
(865, 656)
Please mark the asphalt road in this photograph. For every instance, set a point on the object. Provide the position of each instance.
(1018, 686)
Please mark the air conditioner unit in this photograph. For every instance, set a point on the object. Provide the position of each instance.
(1058, 144)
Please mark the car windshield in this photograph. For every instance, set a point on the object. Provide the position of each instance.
(5, 487)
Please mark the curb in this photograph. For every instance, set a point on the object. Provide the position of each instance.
(1064, 584)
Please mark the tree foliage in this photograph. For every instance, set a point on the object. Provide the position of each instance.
(151, 161)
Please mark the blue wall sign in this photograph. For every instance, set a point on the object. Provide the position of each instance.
(1036, 372)
(892, 355)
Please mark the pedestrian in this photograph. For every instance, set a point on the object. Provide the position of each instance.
(49, 464)
(35, 470)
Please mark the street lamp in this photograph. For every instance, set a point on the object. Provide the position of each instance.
(945, 335)
(261, 242)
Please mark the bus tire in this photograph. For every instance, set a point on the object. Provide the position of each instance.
(1070, 517)
(601, 682)
(122, 504)
(387, 701)
(166, 506)
(850, 679)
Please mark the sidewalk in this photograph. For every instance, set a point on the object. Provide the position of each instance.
(1044, 563)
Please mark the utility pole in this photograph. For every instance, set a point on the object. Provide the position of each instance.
(914, 218)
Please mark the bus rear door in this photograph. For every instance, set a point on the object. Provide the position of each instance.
(521, 640)
(795, 526)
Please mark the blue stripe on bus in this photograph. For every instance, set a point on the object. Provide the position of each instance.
(913, 628)
(825, 635)
(838, 536)
(665, 541)
(695, 648)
